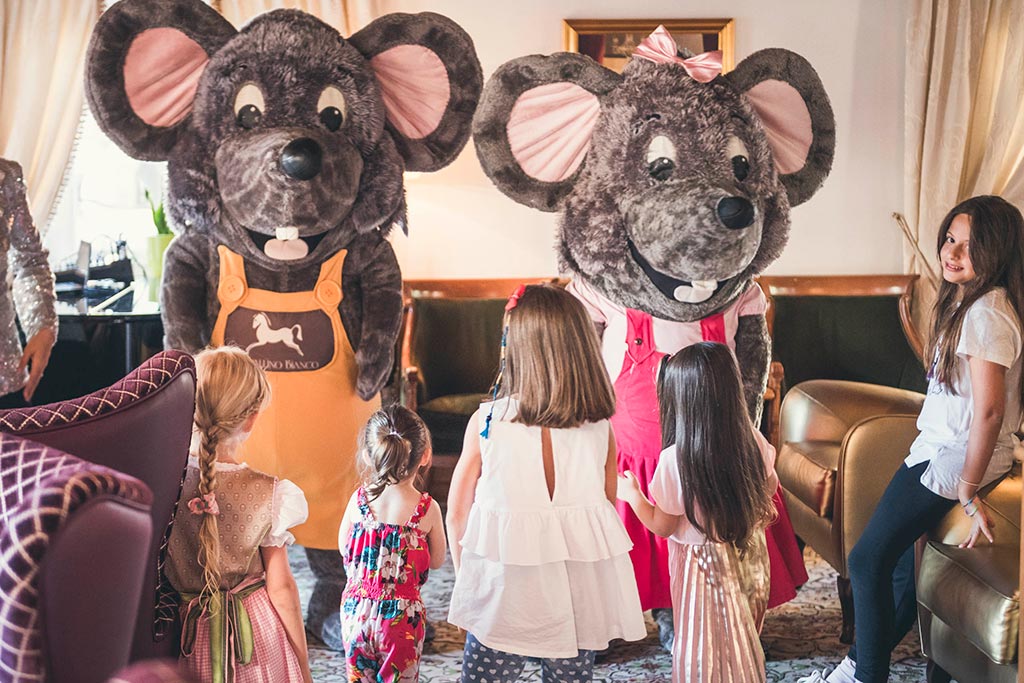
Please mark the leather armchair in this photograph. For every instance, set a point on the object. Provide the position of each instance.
(140, 426)
(841, 444)
(968, 598)
(73, 544)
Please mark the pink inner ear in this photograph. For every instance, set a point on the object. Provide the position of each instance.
(549, 129)
(787, 121)
(161, 74)
(414, 84)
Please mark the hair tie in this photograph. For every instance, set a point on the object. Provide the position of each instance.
(513, 300)
(394, 432)
(204, 505)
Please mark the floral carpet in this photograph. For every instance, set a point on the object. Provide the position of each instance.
(799, 637)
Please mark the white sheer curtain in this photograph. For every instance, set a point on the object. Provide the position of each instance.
(964, 114)
(42, 59)
(348, 16)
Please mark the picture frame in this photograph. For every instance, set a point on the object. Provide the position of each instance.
(610, 41)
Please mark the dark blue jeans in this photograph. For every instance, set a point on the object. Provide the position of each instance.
(882, 570)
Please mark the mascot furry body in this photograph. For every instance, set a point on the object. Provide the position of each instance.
(675, 184)
(286, 144)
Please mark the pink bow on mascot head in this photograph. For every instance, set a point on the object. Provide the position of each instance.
(660, 47)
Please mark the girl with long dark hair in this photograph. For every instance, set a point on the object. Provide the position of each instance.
(713, 489)
(972, 408)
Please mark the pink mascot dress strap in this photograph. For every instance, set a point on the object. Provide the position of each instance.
(638, 438)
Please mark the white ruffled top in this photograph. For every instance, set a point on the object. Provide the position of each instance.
(544, 575)
(514, 520)
(289, 507)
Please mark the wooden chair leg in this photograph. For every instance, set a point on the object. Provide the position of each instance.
(936, 674)
(846, 605)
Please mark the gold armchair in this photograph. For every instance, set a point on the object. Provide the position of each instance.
(841, 444)
(969, 598)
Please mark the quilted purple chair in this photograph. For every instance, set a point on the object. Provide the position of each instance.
(73, 543)
(152, 671)
(140, 426)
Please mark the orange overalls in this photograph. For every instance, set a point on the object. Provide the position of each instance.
(309, 433)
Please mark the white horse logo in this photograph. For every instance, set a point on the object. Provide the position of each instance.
(265, 334)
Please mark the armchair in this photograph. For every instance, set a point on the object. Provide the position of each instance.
(73, 543)
(969, 598)
(140, 426)
(841, 444)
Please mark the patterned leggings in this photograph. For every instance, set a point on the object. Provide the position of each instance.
(481, 664)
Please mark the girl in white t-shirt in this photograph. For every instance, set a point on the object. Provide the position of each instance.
(972, 408)
(541, 556)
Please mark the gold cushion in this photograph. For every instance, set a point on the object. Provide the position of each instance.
(974, 591)
(807, 469)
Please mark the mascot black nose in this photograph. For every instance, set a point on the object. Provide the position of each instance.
(301, 159)
(735, 212)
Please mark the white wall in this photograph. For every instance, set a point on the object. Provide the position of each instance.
(461, 226)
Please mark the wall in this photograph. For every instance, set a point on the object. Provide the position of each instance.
(460, 226)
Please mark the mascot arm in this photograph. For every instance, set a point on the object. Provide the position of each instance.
(381, 316)
(753, 351)
(183, 294)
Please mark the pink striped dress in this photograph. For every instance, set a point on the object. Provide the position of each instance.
(718, 599)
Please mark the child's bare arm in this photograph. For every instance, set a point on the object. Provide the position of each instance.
(435, 535)
(611, 470)
(654, 518)
(351, 514)
(284, 596)
(463, 488)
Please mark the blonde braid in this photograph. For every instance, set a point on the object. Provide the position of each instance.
(230, 389)
(209, 538)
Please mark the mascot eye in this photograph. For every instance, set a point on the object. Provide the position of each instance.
(332, 108)
(661, 158)
(248, 106)
(737, 152)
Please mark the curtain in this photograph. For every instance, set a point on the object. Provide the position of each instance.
(348, 16)
(42, 59)
(964, 113)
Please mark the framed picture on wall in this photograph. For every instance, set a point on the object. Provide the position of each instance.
(610, 42)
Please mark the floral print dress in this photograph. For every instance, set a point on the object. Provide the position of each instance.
(382, 615)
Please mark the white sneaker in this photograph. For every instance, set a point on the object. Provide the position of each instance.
(815, 677)
(841, 674)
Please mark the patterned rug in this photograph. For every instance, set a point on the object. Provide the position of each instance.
(799, 637)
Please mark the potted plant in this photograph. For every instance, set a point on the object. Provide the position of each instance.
(156, 245)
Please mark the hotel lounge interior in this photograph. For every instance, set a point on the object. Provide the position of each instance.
(150, 152)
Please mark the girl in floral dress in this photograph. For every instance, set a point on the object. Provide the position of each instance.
(390, 537)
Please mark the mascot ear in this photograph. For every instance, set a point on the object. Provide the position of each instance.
(785, 91)
(143, 66)
(430, 81)
(534, 125)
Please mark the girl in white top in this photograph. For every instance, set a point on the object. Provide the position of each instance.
(971, 410)
(541, 557)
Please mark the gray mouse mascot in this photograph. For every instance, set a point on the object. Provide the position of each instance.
(674, 184)
(286, 145)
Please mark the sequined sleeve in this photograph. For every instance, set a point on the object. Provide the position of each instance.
(32, 286)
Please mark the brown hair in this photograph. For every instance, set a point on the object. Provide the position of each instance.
(553, 361)
(230, 388)
(720, 464)
(995, 249)
(394, 443)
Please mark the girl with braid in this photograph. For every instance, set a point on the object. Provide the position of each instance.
(227, 558)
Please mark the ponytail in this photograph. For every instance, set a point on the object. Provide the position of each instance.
(395, 442)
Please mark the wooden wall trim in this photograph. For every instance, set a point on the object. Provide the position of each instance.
(836, 285)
